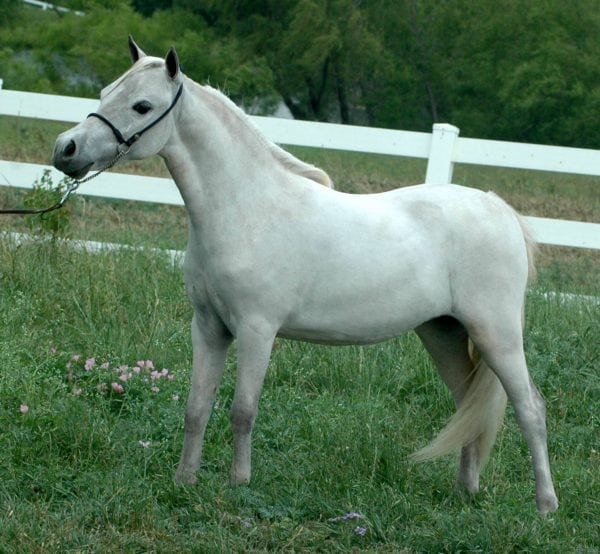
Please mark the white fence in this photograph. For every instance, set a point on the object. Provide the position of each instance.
(442, 148)
(47, 6)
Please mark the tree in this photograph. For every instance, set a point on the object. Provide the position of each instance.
(548, 95)
(320, 53)
(9, 10)
(67, 54)
(408, 94)
(148, 7)
(504, 69)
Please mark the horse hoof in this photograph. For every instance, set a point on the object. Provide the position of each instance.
(469, 485)
(239, 480)
(547, 505)
(185, 478)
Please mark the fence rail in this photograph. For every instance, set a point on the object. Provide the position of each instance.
(442, 148)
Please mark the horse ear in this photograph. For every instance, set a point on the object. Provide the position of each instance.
(134, 50)
(172, 62)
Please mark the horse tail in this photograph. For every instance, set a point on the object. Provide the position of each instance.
(478, 418)
(481, 412)
(530, 244)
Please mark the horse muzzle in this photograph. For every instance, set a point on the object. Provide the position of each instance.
(69, 158)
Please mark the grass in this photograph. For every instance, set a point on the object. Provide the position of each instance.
(89, 469)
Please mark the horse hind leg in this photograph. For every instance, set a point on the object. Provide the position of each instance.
(502, 347)
(447, 342)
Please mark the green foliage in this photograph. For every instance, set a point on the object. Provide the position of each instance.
(320, 53)
(9, 10)
(521, 74)
(69, 54)
(505, 69)
(44, 194)
(147, 8)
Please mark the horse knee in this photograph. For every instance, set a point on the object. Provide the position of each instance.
(195, 419)
(242, 419)
(192, 423)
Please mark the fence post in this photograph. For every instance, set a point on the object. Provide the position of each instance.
(439, 166)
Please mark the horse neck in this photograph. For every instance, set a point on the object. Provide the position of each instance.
(218, 158)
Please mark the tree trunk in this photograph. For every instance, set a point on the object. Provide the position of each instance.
(316, 93)
(340, 85)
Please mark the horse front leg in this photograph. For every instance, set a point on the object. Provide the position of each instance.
(210, 343)
(254, 350)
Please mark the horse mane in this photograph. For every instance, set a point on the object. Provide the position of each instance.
(287, 160)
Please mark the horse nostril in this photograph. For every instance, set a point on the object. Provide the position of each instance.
(70, 149)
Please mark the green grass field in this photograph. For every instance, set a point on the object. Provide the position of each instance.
(86, 467)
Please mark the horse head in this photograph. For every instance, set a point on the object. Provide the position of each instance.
(134, 119)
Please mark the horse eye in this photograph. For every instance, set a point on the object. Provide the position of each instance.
(142, 107)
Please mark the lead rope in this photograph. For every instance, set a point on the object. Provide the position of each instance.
(70, 190)
(120, 139)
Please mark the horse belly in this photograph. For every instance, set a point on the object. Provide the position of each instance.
(343, 334)
(368, 306)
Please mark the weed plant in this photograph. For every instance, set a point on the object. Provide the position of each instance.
(44, 194)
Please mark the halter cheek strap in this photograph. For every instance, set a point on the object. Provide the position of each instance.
(133, 138)
(120, 154)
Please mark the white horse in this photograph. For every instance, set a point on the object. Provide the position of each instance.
(272, 252)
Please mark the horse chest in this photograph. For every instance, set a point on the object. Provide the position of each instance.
(226, 286)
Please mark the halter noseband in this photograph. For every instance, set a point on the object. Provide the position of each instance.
(133, 138)
(120, 154)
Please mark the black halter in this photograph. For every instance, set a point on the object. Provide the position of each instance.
(133, 138)
(120, 154)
